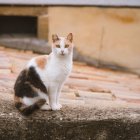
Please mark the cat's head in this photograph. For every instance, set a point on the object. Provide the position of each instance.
(62, 46)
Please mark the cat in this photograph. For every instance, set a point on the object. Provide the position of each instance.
(39, 84)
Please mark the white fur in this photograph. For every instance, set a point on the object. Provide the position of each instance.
(29, 101)
(53, 75)
(45, 107)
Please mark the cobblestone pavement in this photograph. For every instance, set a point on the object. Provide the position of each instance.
(87, 86)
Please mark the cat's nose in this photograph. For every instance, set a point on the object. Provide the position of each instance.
(62, 51)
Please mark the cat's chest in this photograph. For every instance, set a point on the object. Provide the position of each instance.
(58, 71)
(55, 72)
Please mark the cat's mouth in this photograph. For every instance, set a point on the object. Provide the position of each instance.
(62, 54)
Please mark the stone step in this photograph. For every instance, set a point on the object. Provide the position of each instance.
(73, 122)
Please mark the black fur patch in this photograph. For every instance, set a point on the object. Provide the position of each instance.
(25, 81)
(35, 80)
(18, 105)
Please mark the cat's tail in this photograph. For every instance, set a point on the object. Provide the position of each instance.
(27, 110)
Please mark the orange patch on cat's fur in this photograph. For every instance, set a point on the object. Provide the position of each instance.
(41, 62)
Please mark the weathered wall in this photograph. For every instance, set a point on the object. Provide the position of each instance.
(23, 10)
(111, 35)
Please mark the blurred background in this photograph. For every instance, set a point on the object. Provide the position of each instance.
(106, 33)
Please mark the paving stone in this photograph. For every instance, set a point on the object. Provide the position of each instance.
(86, 84)
(10, 76)
(68, 95)
(72, 102)
(5, 71)
(94, 95)
(2, 48)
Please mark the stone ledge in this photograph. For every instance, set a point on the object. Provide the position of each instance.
(71, 123)
(36, 45)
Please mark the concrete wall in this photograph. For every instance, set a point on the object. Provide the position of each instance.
(110, 35)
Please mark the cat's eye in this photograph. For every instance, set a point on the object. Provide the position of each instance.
(58, 46)
(66, 46)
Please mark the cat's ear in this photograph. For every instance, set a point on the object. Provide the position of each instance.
(70, 37)
(55, 37)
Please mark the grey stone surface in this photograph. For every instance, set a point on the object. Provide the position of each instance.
(71, 123)
(40, 46)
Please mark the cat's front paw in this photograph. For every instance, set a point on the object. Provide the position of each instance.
(59, 105)
(45, 107)
(55, 107)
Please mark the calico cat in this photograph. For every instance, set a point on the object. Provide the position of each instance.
(38, 86)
